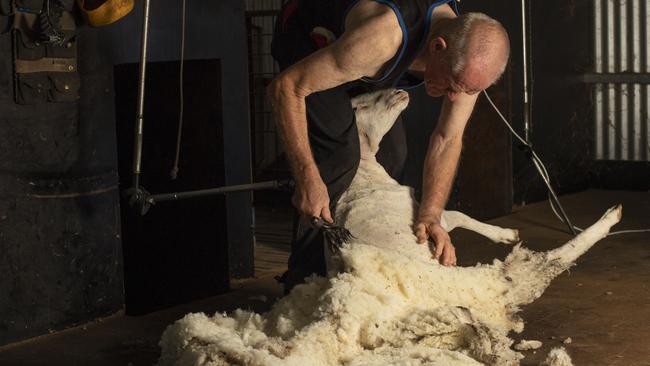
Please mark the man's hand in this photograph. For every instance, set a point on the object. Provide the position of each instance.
(311, 199)
(429, 227)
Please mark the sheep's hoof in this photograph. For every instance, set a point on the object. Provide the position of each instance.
(514, 238)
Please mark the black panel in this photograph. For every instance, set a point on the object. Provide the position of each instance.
(178, 251)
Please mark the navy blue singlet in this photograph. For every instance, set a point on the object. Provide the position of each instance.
(414, 17)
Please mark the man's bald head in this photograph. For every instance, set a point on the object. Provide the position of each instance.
(475, 42)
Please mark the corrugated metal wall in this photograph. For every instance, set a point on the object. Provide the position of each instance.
(622, 92)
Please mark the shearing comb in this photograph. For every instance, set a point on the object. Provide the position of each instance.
(335, 235)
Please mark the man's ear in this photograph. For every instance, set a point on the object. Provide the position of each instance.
(437, 44)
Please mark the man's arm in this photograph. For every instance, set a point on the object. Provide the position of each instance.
(361, 51)
(445, 145)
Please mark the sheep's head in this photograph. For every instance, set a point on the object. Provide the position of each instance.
(375, 114)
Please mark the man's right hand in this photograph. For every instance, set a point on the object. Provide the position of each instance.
(311, 198)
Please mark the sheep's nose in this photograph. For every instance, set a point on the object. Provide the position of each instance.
(402, 94)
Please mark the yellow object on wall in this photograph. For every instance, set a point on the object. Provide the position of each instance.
(104, 12)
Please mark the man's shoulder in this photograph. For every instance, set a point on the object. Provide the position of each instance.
(376, 21)
(366, 12)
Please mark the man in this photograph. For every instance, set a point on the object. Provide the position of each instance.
(329, 50)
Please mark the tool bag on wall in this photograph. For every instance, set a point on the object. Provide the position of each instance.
(44, 52)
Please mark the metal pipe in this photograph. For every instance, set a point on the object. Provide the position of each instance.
(162, 197)
(524, 38)
(139, 125)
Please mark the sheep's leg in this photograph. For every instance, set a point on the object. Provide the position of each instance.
(529, 273)
(570, 251)
(454, 219)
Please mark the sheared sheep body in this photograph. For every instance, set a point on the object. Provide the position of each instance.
(385, 301)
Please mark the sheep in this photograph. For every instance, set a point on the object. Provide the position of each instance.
(376, 208)
(385, 300)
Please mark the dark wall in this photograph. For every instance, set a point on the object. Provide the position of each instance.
(561, 105)
(560, 52)
(214, 30)
(61, 259)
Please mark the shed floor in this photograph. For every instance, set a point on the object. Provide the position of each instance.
(602, 304)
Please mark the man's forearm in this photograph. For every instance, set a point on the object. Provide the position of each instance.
(310, 197)
(442, 157)
(289, 112)
(439, 171)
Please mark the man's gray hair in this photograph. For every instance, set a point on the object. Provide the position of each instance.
(457, 32)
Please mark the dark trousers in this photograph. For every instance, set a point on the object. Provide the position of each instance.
(334, 142)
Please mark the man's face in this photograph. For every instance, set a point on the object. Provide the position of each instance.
(439, 79)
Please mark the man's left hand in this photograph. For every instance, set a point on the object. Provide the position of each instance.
(429, 227)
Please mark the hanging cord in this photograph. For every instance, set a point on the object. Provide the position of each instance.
(544, 173)
(531, 69)
(174, 171)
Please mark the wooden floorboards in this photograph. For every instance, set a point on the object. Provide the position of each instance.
(273, 230)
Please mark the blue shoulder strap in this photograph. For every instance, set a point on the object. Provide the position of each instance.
(405, 39)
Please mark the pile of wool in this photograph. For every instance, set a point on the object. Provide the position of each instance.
(385, 308)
